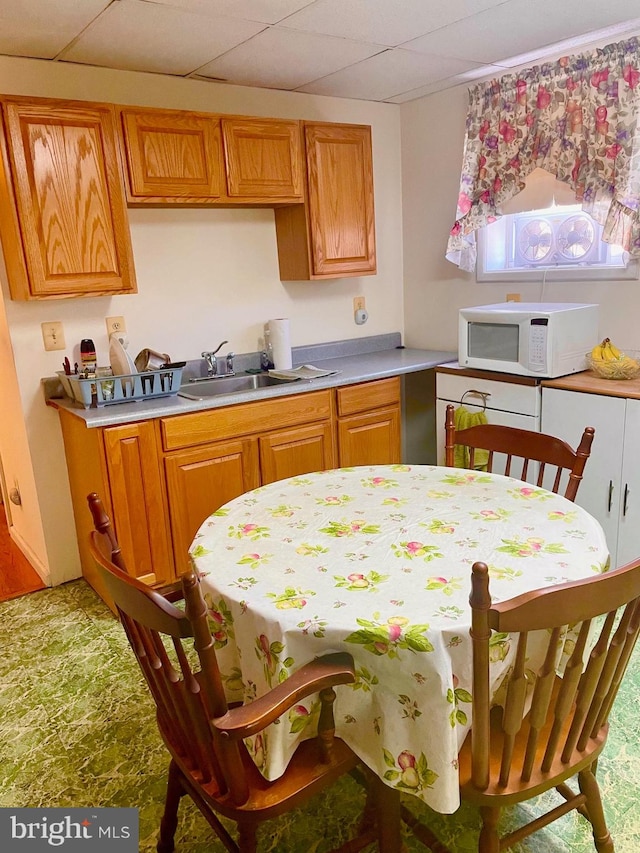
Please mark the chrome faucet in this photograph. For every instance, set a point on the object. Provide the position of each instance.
(212, 362)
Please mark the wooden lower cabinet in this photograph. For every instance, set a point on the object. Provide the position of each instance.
(137, 501)
(121, 464)
(297, 451)
(369, 423)
(201, 479)
(160, 479)
(370, 439)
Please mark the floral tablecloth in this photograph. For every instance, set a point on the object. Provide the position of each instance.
(377, 561)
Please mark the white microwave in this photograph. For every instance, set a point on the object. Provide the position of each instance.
(543, 339)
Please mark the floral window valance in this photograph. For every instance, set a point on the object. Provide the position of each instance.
(578, 119)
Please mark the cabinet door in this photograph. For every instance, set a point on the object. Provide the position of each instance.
(139, 510)
(173, 156)
(340, 187)
(69, 201)
(333, 234)
(566, 414)
(200, 480)
(370, 439)
(264, 159)
(296, 451)
(629, 526)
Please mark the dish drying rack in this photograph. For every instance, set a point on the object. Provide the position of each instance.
(108, 390)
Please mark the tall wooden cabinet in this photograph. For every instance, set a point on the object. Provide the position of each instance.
(334, 234)
(62, 209)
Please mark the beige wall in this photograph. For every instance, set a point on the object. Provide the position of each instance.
(434, 289)
(203, 276)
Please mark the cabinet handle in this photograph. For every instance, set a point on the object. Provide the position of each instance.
(626, 495)
(610, 495)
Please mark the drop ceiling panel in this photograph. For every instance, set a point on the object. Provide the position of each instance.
(388, 22)
(385, 75)
(378, 50)
(466, 77)
(140, 36)
(283, 59)
(264, 11)
(527, 25)
(42, 28)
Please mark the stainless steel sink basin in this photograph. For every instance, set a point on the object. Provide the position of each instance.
(215, 386)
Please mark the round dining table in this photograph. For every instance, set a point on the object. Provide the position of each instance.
(376, 561)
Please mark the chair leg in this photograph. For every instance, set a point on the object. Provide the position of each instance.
(247, 836)
(388, 817)
(589, 787)
(489, 841)
(169, 821)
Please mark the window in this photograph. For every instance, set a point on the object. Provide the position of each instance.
(561, 242)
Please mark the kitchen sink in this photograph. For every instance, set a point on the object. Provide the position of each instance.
(215, 386)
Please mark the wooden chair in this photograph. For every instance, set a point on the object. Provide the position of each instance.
(102, 523)
(526, 445)
(204, 736)
(516, 754)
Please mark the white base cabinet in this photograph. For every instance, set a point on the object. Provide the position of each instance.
(610, 489)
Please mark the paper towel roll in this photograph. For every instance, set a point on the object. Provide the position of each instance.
(281, 343)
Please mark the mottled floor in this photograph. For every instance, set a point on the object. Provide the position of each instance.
(77, 728)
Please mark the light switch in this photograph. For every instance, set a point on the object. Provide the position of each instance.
(53, 336)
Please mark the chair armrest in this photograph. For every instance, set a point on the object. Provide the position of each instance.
(318, 674)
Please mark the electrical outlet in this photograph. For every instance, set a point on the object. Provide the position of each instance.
(53, 336)
(358, 303)
(513, 297)
(117, 325)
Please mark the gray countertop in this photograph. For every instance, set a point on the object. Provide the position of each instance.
(353, 367)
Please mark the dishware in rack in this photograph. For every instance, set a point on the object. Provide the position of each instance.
(120, 360)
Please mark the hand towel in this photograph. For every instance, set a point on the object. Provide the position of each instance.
(463, 419)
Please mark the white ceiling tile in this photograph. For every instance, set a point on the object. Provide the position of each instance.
(387, 74)
(42, 28)
(141, 36)
(283, 59)
(265, 11)
(388, 22)
(482, 71)
(515, 28)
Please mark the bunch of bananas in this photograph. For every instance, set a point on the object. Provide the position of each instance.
(606, 351)
(609, 362)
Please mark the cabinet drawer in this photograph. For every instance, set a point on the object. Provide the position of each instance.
(504, 396)
(244, 419)
(368, 395)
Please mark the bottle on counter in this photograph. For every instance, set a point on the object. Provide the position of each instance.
(266, 359)
(88, 359)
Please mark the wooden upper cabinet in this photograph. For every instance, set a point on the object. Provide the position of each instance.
(263, 159)
(63, 215)
(334, 236)
(173, 156)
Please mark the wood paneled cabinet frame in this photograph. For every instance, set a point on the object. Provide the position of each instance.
(63, 216)
(333, 235)
(172, 157)
(160, 479)
(181, 157)
(69, 168)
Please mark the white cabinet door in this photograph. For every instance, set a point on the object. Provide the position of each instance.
(566, 414)
(629, 525)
